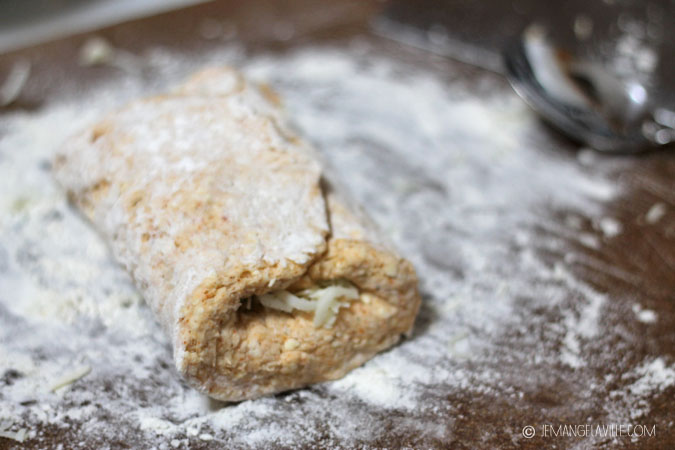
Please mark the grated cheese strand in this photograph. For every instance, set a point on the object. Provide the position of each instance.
(323, 301)
(19, 436)
(70, 378)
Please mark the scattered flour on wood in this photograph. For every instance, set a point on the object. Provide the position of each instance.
(463, 183)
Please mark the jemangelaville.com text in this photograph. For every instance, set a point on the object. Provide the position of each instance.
(610, 430)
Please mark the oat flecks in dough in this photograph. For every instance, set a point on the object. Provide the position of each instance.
(208, 198)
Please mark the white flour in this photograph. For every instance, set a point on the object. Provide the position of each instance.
(465, 184)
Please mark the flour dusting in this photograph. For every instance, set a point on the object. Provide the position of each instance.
(466, 184)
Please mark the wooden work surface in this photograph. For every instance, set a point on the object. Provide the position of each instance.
(632, 268)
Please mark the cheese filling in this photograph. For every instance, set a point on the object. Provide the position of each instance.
(325, 301)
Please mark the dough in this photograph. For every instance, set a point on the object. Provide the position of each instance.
(230, 230)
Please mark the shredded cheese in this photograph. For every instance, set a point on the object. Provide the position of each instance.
(325, 302)
(18, 436)
(70, 378)
(15, 82)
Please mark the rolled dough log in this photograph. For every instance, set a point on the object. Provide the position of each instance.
(209, 200)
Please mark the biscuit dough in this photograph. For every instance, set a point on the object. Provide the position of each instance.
(211, 202)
